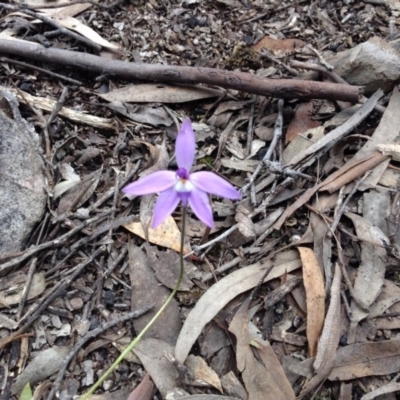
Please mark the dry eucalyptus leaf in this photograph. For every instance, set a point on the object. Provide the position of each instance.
(166, 265)
(203, 373)
(152, 353)
(385, 134)
(389, 295)
(37, 287)
(272, 364)
(225, 290)
(302, 142)
(146, 290)
(359, 360)
(240, 165)
(143, 113)
(46, 363)
(166, 235)
(80, 193)
(315, 293)
(371, 272)
(160, 93)
(302, 121)
(75, 25)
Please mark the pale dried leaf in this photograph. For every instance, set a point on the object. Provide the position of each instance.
(391, 150)
(315, 294)
(166, 235)
(152, 353)
(37, 287)
(160, 93)
(75, 25)
(371, 272)
(385, 134)
(240, 165)
(225, 290)
(203, 373)
(49, 104)
(45, 364)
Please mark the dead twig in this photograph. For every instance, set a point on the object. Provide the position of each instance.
(44, 71)
(245, 82)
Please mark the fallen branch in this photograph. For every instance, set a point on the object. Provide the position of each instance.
(280, 88)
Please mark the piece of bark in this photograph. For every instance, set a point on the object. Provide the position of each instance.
(280, 88)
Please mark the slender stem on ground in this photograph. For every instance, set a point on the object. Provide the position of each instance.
(148, 326)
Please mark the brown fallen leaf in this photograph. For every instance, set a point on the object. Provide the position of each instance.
(146, 289)
(257, 379)
(272, 364)
(143, 391)
(323, 363)
(315, 294)
(301, 122)
(278, 47)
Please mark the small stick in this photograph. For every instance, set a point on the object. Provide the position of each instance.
(44, 71)
(24, 294)
(250, 127)
(268, 154)
(73, 2)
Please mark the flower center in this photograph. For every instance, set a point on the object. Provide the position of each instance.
(183, 184)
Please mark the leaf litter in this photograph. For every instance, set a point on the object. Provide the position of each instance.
(306, 265)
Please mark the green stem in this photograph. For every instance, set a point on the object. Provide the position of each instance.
(148, 326)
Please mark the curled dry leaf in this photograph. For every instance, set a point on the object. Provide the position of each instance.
(225, 290)
(315, 294)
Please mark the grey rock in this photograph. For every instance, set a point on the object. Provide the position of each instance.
(374, 64)
(22, 182)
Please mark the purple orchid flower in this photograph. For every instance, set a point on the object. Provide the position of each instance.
(182, 186)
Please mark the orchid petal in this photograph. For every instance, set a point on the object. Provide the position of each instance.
(214, 184)
(185, 146)
(200, 204)
(166, 204)
(153, 183)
